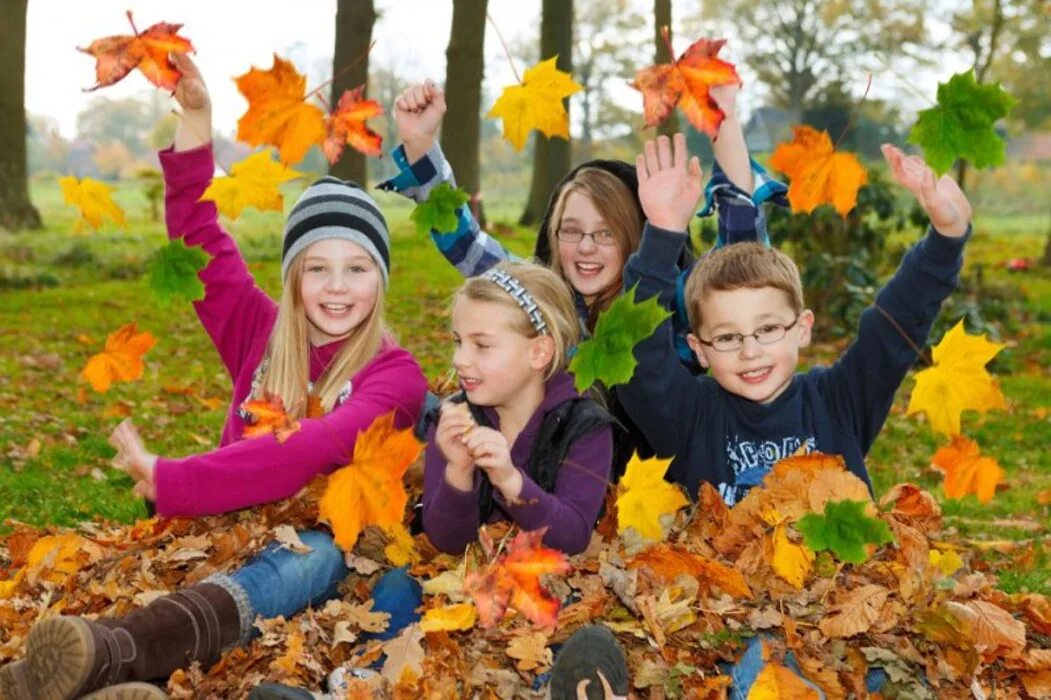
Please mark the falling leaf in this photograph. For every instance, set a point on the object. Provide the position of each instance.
(278, 114)
(844, 529)
(450, 618)
(530, 651)
(957, 381)
(856, 612)
(686, 83)
(94, 200)
(253, 182)
(116, 56)
(370, 491)
(948, 562)
(438, 212)
(644, 497)
(121, 360)
(966, 471)
(536, 103)
(608, 356)
(172, 273)
(269, 416)
(961, 124)
(346, 126)
(792, 562)
(818, 174)
(775, 682)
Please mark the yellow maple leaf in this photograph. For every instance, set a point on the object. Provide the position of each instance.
(775, 682)
(253, 182)
(644, 496)
(54, 557)
(369, 490)
(790, 561)
(957, 381)
(819, 174)
(121, 360)
(536, 103)
(449, 618)
(94, 199)
(401, 549)
(966, 471)
(278, 114)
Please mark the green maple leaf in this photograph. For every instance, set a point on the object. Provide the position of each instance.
(844, 530)
(961, 125)
(607, 356)
(439, 211)
(173, 272)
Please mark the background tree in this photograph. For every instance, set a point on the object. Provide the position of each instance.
(464, 72)
(16, 211)
(128, 121)
(551, 156)
(350, 68)
(662, 54)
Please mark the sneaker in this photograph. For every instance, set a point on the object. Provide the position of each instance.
(590, 649)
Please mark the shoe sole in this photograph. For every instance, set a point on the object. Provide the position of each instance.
(14, 682)
(128, 691)
(60, 653)
(592, 648)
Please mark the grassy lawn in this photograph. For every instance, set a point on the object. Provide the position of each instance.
(60, 295)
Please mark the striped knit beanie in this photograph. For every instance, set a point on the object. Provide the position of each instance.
(334, 208)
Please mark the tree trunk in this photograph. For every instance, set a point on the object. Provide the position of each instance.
(16, 211)
(465, 65)
(662, 18)
(551, 155)
(1046, 259)
(350, 68)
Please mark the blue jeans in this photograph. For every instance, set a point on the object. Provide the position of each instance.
(279, 581)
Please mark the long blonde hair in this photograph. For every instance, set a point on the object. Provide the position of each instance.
(287, 372)
(615, 202)
(552, 296)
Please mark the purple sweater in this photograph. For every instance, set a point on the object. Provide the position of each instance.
(239, 317)
(451, 516)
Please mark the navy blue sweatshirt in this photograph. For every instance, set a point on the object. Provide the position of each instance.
(732, 442)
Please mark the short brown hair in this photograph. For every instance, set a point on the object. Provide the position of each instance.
(742, 266)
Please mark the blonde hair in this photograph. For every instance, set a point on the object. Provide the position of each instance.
(287, 373)
(552, 296)
(616, 204)
(742, 266)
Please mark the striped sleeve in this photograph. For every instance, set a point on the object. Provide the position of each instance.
(741, 216)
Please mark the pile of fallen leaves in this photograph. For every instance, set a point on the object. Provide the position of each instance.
(922, 607)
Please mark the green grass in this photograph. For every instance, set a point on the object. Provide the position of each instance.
(53, 452)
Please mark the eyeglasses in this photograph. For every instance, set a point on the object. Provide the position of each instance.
(767, 334)
(575, 235)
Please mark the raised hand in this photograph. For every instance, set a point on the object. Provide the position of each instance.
(195, 122)
(418, 113)
(940, 197)
(134, 459)
(669, 183)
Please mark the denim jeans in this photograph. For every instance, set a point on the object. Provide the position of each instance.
(279, 581)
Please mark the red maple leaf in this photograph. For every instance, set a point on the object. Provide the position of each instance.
(346, 126)
(116, 56)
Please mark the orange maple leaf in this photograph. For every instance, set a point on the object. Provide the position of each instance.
(346, 125)
(666, 562)
(116, 56)
(121, 360)
(513, 580)
(369, 491)
(818, 173)
(278, 114)
(685, 83)
(966, 471)
(269, 416)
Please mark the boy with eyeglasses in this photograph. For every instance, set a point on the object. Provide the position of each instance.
(748, 322)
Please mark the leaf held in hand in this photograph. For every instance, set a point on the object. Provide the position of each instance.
(278, 114)
(94, 199)
(844, 529)
(369, 490)
(536, 103)
(253, 182)
(961, 124)
(116, 56)
(438, 213)
(121, 360)
(346, 126)
(173, 272)
(686, 84)
(644, 497)
(608, 356)
(818, 173)
(957, 381)
(966, 471)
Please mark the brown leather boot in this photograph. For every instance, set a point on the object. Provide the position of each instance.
(67, 657)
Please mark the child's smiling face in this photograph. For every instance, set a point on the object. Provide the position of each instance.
(339, 286)
(755, 371)
(589, 268)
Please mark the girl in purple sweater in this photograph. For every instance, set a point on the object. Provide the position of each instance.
(519, 442)
(324, 342)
